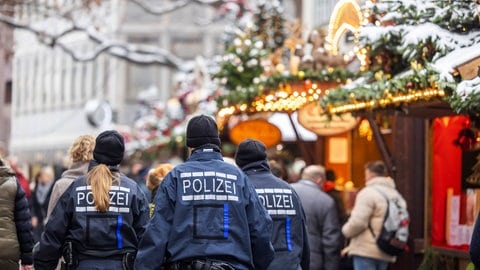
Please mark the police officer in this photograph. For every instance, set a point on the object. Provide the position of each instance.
(207, 215)
(100, 219)
(290, 237)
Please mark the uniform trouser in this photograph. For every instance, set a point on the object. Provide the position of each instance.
(97, 264)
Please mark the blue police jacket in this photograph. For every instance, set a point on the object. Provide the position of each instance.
(93, 233)
(206, 208)
(290, 237)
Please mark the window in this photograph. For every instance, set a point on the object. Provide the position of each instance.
(8, 92)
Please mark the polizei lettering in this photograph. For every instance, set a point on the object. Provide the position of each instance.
(119, 199)
(277, 201)
(211, 185)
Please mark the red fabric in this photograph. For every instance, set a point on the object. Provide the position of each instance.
(329, 185)
(24, 183)
(446, 169)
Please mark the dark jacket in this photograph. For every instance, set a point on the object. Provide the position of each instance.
(475, 244)
(93, 233)
(206, 208)
(16, 235)
(290, 237)
(322, 224)
(39, 210)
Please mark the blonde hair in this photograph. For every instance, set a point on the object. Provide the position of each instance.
(101, 178)
(82, 148)
(156, 175)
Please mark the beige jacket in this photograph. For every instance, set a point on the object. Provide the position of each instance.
(370, 207)
(76, 170)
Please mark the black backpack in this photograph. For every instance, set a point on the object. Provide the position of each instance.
(393, 237)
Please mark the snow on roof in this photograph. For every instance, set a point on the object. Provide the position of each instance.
(468, 87)
(456, 58)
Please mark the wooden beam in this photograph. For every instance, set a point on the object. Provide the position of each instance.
(309, 156)
(382, 145)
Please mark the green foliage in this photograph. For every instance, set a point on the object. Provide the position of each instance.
(248, 93)
(432, 260)
(241, 65)
(385, 88)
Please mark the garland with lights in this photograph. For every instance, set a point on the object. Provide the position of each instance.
(400, 41)
(261, 69)
(420, 85)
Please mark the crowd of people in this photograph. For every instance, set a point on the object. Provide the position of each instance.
(202, 214)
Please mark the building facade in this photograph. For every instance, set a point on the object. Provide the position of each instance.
(6, 56)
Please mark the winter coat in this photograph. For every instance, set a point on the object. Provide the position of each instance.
(206, 208)
(369, 210)
(16, 236)
(322, 225)
(475, 244)
(78, 169)
(290, 237)
(96, 235)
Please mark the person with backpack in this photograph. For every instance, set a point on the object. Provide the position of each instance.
(369, 221)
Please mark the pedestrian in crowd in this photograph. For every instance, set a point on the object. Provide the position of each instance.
(346, 262)
(138, 172)
(100, 219)
(290, 237)
(207, 214)
(322, 222)
(20, 177)
(80, 153)
(16, 232)
(330, 188)
(278, 170)
(366, 218)
(154, 178)
(475, 244)
(44, 180)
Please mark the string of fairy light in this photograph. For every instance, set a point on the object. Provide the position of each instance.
(347, 16)
(389, 100)
(287, 98)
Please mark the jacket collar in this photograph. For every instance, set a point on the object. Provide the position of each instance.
(206, 152)
(382, 181)
(256, 167)
(308, 183)
(76, 170)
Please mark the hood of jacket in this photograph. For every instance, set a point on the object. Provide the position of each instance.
(5, 173)
(256, 167)
(382, 181)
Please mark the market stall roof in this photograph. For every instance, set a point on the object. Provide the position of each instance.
(282, 121)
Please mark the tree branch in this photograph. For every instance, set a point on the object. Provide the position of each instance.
(142, 55)
(157, 10)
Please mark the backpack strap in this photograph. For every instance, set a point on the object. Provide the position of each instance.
(386, 198)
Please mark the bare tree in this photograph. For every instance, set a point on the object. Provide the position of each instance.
(53, 21)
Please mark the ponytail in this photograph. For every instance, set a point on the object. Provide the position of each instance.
(100, 178)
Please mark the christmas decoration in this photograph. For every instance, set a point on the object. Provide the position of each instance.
(466, 139)
(407, 47)
(257, 74)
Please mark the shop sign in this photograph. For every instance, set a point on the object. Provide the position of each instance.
(257, 129)
(312, 118)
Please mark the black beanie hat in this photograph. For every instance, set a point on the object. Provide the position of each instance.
(201, 130)
(250, 151)
(109, 148)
